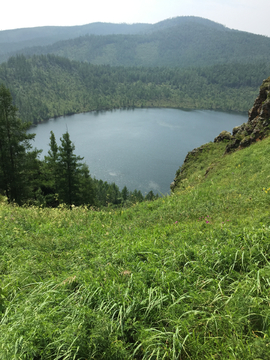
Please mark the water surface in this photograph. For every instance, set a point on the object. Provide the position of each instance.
(140, 148)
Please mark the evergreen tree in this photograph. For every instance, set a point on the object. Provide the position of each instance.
(113, 194)
(68, 166)
(136, 196)
(124, 194)
(53, 152)
(51, 173)
(65, 178)
(87, 195)
(150, 196)
(74, 181)
(16, 161)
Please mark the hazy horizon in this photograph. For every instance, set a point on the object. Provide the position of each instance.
(244, 15)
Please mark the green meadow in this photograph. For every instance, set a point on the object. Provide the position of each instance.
(186, 276)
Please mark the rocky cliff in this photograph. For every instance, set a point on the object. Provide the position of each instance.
(257, 128)
(258, 125)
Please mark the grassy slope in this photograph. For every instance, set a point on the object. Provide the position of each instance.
(183, 277)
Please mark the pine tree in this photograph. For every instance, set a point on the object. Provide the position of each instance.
(51, 174)
(86, 187)
(68, 165)
(65, 178)
(124, 194)
(16, 161)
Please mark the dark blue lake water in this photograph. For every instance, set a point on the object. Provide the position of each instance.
(140, 148)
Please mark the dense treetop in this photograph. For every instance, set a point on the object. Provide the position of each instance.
(48, 86)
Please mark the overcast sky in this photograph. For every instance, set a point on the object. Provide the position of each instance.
(245, 15)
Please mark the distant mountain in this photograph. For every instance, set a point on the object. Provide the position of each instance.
(183, 20)
(12, 41)
(181, 41)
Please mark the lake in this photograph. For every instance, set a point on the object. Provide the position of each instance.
(139, 148)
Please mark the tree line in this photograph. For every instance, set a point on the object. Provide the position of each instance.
(61, 178)
(49, 86)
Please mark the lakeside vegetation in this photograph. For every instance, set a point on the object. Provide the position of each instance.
(60, 178)
(49, 86)
(183, 277)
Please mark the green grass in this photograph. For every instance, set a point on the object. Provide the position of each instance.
(183, 277)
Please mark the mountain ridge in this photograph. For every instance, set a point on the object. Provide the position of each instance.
(180, 41)
(100, 28)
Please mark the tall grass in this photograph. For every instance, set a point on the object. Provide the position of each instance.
(183, 277)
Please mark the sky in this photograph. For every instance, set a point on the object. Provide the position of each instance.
(244, 15)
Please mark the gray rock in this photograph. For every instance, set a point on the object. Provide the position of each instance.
(223, 136)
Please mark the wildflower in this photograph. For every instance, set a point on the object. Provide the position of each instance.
(126, 272)
(176, 222)
(207, 222)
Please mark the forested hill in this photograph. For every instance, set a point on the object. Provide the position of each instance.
(50, 86)
(177, 42)
(12, 41)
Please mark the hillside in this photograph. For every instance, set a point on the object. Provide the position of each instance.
(181, 42)
(12, 41)
(182, 277)
(49, 86)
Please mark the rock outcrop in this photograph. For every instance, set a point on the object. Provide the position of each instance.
(258, 125)
(224, 135)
